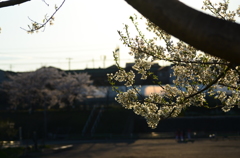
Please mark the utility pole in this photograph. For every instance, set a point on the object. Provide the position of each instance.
(69, 63)
(93, 63)
(10, 67)
(104, 60)
(117, 49)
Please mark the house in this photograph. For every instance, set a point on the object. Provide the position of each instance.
(99, 76)
(164, 75)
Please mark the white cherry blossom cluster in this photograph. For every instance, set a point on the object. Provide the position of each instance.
(220, 10)
(123, 76)
(141, 67)
(196, 73)
(47, 86)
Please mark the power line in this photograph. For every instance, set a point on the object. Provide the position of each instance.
(62, 62)
(54, 50)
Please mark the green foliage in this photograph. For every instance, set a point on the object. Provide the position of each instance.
(7, 130)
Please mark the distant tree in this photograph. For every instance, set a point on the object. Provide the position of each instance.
(74, 87)
(196, 73)
(47, 86)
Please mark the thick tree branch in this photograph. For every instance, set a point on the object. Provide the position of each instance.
(12, 2)
(212, 35)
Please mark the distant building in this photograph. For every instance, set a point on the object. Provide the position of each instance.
(99, 76)
(164, 75)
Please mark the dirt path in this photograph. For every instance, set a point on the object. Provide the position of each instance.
(153, 149)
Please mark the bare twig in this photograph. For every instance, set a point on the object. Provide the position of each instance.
(37, 26)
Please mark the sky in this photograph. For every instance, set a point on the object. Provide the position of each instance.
(83, 35)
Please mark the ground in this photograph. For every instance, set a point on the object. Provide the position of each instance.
(151, 148)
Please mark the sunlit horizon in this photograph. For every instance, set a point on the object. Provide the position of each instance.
(84, 35)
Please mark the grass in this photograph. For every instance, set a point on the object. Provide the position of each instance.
(73, 120)
(12, 152)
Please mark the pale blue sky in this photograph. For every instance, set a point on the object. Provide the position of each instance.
(84, 31)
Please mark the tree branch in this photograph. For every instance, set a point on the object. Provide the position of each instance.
(210, 84)
(12, 3)
(37, 26)
(215, 36)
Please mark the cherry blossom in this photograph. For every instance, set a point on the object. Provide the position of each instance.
(197, 74)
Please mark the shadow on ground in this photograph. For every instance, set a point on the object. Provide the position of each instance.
(151, 148)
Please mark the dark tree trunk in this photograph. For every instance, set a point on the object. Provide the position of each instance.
(212, 35)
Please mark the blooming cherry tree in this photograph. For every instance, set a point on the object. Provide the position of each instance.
(197, 74)
(74, 87)
(47, 86)
(31, 88)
